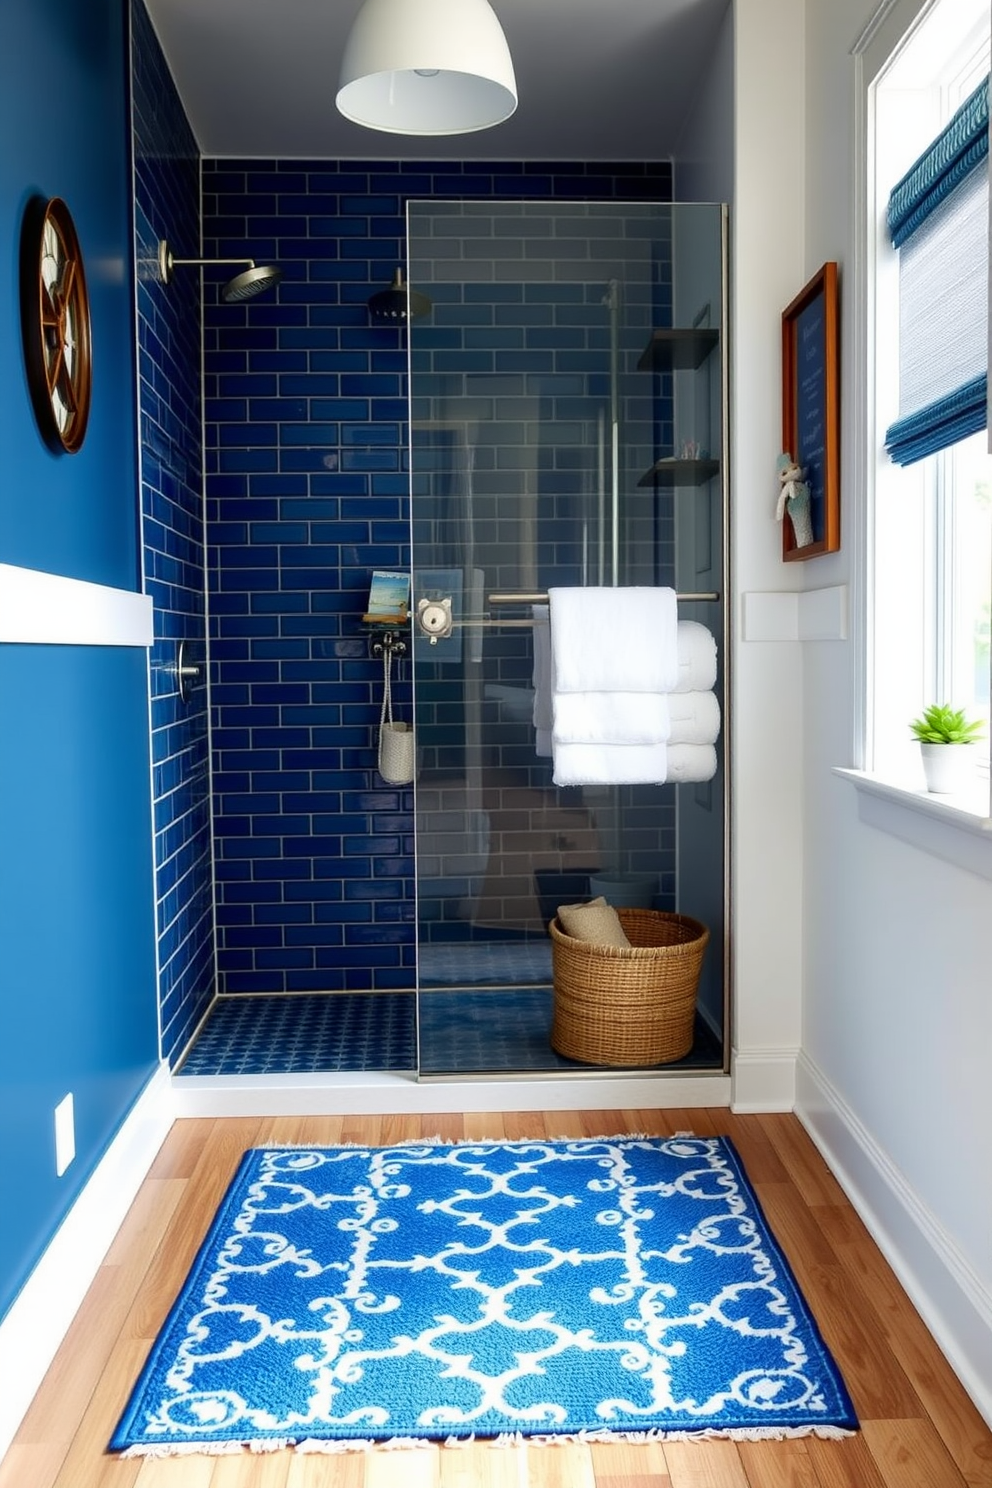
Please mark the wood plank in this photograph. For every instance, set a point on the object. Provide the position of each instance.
(761, 1162)
(564, 1465)
(630, 1465)
(413, 1467)
(404, 1128)
(164, 1472)
(910, 1454)
(447, 1126)
(564, 1124)
(87, 1460)
(521, 1126)
(483, 1465)
(31, 1463)
(875, 1380)
(798, 1153)
(844, 1463)
(778, 1464)
(67, 1390)
(484, 1126)
(322, 1470)
(710, 1464)
(941, 1392)
(180, 1152)
(251, 1470)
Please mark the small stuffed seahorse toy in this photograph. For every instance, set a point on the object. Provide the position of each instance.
(793, 497)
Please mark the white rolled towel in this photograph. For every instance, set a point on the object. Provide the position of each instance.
(696, 657)
(695, 717)
(610, 764)
(614, 640)
(611, 718)
(690, 762)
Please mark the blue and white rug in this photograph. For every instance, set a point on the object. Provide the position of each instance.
(622, 1286)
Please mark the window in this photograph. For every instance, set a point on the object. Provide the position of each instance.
(932, 530)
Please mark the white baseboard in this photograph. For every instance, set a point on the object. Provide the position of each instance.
(391, 1095)
(40, 1315)
(763, 1080)
(942, 1285)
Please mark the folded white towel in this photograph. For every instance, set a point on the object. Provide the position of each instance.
(609, 764)
(696, 657)
(542, 743)
(611, 718)
(614, 640)
(695, 717)
(541, 672)
(690, 762)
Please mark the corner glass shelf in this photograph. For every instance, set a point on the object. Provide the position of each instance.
(673, 472)
(675, 349)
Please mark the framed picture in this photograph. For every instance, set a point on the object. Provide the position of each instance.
(811, 413)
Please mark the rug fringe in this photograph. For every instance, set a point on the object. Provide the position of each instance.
(323, 1446)
(438, 1141)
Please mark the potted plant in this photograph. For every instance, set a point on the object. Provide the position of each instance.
(945, 736)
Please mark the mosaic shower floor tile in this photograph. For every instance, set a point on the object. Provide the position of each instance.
(287, 1035)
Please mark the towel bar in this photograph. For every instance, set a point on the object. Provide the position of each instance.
(535, 598)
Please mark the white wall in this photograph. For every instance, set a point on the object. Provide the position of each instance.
(766, 704)
(897, 1011)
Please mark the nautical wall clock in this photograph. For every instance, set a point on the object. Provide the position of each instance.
(55, 323)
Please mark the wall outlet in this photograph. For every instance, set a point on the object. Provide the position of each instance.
(65, 1135)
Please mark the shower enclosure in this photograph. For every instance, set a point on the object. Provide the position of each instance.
(567, 428)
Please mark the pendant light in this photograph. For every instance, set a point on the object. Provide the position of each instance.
(426, 67)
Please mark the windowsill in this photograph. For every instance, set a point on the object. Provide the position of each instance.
(957, 829)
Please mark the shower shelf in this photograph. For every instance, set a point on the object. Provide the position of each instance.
(674, 349)
(674, 472)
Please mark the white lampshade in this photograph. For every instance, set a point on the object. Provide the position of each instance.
(426, 67)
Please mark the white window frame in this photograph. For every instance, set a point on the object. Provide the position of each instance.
(960, 833)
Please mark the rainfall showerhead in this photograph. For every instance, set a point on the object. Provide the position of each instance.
(398, 304)
(244, 286)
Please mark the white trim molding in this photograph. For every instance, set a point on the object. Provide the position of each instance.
(941, 1283)
(46, 609)
(40, 1315)
(390, 1095)
(939, 825)
(763, 1080)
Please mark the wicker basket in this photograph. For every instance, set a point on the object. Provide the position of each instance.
(620, 1006)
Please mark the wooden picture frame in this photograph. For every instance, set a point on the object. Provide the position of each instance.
(811, 409)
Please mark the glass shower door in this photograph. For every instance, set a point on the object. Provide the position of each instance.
(540, 414)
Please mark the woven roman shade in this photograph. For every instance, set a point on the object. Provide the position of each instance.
(938, 220)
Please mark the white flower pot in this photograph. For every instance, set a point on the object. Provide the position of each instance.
(948, 768)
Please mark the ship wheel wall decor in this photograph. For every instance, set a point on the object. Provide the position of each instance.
(55, 323)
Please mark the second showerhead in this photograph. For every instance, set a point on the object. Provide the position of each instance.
(253, 279)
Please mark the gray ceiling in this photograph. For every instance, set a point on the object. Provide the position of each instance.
(596, 79)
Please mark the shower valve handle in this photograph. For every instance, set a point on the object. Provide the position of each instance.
(434, 618)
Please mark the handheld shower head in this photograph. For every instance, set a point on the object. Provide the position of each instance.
(244, 286)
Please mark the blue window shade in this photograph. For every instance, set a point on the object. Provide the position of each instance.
(952, 156)
(939, 218)
(939, 424)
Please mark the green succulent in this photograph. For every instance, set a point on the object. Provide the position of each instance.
(942, 724)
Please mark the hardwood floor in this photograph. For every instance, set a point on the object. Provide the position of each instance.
(918, 1427)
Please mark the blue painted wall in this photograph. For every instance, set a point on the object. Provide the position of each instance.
(77, 1007)
(307, 486)
(167, 205)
